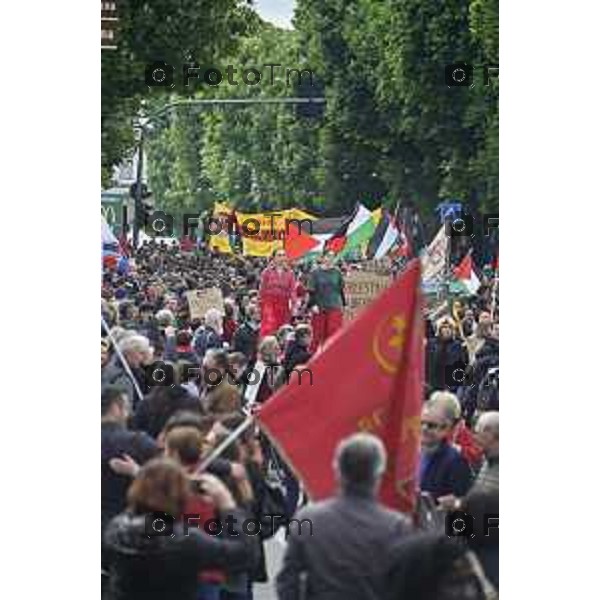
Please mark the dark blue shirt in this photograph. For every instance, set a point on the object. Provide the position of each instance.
(445, 472)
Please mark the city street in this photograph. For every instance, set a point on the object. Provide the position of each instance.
(300, 257)
(274, 549)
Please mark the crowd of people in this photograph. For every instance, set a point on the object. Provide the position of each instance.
(174, 388)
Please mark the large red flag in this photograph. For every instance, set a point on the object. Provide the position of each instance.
(369, 377)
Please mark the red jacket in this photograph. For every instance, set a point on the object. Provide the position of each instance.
(469, 449)
(229, 329)
(197, 506)
(277, 285)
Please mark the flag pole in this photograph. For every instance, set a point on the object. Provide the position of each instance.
(122, 359)
(220, 448)
(447, 299)
(494, 293)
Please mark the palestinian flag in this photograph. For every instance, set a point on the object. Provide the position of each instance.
(385, 237)
(309, 238)
(297, 243)
(355, 233)
(337, 241)
(403, 248)
(465, 274)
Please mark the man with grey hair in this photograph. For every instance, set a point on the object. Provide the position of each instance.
(487, 434)
(165, 318)
(344, 553)
(210, 335)
(443, 471)
(138, 353)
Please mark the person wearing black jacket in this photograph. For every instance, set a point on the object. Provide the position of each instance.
(444, 354)
(298, 352)
(483, 393)
(483, 506)
(153, 412)
(432, 566)
(245, 339)
(117, 441)
(149, 562)
(268, 501)
(125, 464)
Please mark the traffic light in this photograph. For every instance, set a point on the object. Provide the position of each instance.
(146, 193)
(145, 208)
(146, 211)
(310, 88)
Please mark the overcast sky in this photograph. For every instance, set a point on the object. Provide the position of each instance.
(278, 12)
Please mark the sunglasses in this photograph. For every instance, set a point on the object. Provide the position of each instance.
(432, 426)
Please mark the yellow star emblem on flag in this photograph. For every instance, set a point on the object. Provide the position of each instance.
(411, 425)
(388, 343)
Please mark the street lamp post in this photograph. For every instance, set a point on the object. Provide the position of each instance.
(197, 102)
(138, 189)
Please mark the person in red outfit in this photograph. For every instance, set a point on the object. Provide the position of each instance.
(230, 324)
(277, 291)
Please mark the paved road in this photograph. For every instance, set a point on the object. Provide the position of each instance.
(274, 549)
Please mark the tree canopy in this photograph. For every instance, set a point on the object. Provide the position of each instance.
(393, 130)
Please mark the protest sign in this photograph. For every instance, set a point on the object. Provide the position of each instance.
(434, 258)
(361, 287)
(200, 301)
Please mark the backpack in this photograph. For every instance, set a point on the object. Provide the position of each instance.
(204, 339)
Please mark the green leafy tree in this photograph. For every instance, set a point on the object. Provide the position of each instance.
(258, 157)
(393, 129)
(172, 31)
(390, 111)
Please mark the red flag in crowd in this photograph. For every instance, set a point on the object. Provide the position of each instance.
(123, 245)
(404, 248)
(187, 244)
(369, 377)
(297, 243)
